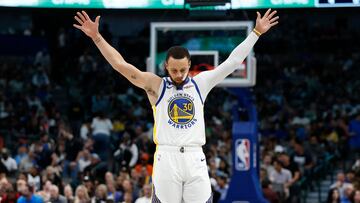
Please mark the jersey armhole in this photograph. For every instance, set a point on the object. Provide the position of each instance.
(162, 91)
(197, 89)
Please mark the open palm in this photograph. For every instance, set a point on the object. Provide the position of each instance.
(263, 24)
(89, 27)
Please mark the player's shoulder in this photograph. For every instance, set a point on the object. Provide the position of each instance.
(201, 78)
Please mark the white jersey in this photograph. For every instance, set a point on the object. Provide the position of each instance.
(179, 115)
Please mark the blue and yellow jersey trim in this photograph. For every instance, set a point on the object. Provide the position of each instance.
(155, 139)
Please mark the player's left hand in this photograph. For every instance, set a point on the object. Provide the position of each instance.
(264, 23)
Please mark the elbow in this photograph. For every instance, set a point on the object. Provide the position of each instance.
(237, 61)
(237, 58)
(233, 62)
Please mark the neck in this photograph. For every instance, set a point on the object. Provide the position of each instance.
(179, 84)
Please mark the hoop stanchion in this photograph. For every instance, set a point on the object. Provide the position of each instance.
(244, 186)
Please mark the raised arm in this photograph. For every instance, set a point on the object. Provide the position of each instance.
(145, 80)
(209, 79)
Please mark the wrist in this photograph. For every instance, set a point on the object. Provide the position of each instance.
(96, 38)
(257, 32)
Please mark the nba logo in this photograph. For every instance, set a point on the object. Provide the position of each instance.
(242, 154)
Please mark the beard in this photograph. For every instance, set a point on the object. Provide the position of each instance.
(179, 83)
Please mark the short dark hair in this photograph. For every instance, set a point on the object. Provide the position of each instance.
(177, 52)
(30, 187)
(278, 161)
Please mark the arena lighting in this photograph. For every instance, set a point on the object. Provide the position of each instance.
(196, 3)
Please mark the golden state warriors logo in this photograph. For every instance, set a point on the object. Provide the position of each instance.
(181, 110)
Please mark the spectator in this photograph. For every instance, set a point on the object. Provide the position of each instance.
(72, 147)
(22, 153)
(27, 195)
(128, 197)
(349, 189)
(81, 195)
(128, 188)
(3, 188)
(355, 197)
(356, 165)
(333, 196)
(68, 193)
(268, 193)
(83, 160)
(113, 194)
(222, 186)
(20, 184)
(5, 107)
(340, 184)
(8, 161)
(45, 193)
(350, 177)
(315, 148)
(10, 196)
(127, 154)
(85, 130)
(281, 180)
(28, 162)
(42, 58)
(40, 78)
(34, 178)
(144, 164)
(101, 128)
(295, 174)
(266, 163)
(55, 197)
(87, 65)
(97, 168)
(3, 169)
(302, 158)
(100, 194)
(146, 194)
(354, 126)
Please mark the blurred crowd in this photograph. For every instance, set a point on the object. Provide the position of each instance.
(308, 100)
(73, 130)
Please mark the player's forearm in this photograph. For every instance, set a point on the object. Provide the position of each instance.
(209, 79)
(109, 52)
(236, 58)
(238, 55)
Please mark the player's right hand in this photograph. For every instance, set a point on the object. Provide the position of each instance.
(89, 27)
(264, 23)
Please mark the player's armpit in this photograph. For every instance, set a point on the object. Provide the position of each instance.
(152, 86)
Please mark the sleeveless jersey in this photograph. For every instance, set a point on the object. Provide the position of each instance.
(179, 115)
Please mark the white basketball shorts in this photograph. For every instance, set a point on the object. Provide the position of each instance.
(180, 175)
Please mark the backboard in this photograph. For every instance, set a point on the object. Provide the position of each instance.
(216, 39)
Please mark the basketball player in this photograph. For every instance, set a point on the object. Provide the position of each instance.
(180, 171)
